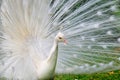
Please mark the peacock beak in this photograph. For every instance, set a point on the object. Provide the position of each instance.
(65, 42)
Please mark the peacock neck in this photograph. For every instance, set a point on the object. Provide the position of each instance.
(52, 58)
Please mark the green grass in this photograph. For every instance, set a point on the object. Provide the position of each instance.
(113, 75)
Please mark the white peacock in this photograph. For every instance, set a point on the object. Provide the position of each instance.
(30, 31)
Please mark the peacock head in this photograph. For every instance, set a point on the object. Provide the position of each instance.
(60, 38)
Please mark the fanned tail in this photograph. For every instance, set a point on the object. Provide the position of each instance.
(92, 29)
(23, 35)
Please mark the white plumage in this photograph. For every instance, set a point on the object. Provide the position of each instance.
(29, 45)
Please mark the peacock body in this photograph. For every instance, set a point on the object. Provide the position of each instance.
(30, 49)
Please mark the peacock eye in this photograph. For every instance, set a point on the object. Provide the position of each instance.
(60, 37)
